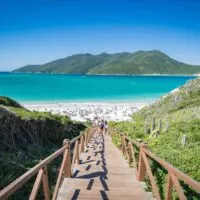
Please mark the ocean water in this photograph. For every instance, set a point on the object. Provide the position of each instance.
(86, 88)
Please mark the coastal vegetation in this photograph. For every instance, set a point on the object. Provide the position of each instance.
(140, 62)
(27, 137)
(171, 128)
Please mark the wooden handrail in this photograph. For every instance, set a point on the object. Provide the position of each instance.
(144, 167)
(15, 185)
(41, 169)
(129, 139)
(77, 138)
(194, 184)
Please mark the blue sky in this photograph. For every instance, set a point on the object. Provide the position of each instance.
(34, 32)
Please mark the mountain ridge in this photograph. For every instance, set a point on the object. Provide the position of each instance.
(139, 62)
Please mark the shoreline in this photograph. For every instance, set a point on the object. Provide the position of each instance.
(88, 74)
(88, 111)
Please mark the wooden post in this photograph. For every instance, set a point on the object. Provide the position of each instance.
(126, 149)
(169, 187)
(153, 124)
(82, 145)
(86, 138)
(77, 153)
(132, 155)
(141, 165)
(160, 125)
(129, 152)
(123, 144)
(45, 183)
(36, 185)
(67, 166)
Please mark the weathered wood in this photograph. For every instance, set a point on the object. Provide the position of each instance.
(86, 139)
(77, 160)
(63, 169)
(36, 185)
(102, 174)
(19, 182)
(75, 153)
(178, 187)
(81, 145)
(133, 155)
(153, 126)
(129, 139)
(67, 161)
(126, 150)
(191, 182)
(151, 177)
(160, 125)
(124, 145)
(169, 188)
(141, 165)
(45, 182)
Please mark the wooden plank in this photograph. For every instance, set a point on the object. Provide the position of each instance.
(19, 182)
(178, 187)
(151, 177)
(63, 168)
(169, 187)
(188, 180)
(45, 182)
(36, 185)
(133, 155)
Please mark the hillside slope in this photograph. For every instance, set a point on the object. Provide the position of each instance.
(140, 62)
(26, 138)
(171, 128)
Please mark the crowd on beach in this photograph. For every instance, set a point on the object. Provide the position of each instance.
(88, 111)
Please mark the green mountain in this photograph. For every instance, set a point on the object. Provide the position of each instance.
(140, 62)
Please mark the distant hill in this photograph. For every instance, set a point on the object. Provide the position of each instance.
(140, 62)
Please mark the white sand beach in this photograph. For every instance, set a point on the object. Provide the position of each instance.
(87, 111)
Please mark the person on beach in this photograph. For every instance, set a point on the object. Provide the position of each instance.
(106, 127)
(102, 125)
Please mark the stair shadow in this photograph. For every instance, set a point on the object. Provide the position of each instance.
(101, 175)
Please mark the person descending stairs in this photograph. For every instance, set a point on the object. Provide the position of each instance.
(103, 173)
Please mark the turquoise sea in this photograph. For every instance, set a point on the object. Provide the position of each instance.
(86, 88)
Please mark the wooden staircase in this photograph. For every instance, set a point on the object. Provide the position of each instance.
(99, 170)
(103, 173)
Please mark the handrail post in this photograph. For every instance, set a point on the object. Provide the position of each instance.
(82, 145)
(45, 183)
(169, 187)
(141, 165)
(86, 139)
(77, 152)
(123, 144)
(67, 166)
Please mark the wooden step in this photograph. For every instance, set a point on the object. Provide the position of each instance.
(103, 173)
(100, 184)
(134, 194)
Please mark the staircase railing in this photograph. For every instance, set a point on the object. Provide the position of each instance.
(40, 169)
(143, 167)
